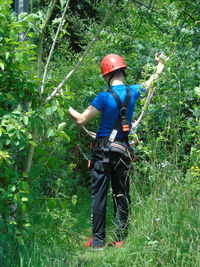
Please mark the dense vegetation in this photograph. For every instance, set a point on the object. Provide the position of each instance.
(44, 180)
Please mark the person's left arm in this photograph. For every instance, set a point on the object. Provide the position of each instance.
(82, 118)
(160, 58)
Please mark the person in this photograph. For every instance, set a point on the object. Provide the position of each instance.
(111, 157)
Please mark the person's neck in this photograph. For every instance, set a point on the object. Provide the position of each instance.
(116, 82)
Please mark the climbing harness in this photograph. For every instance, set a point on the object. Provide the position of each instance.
(134, 124)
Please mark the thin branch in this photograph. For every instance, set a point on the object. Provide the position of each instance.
(49, 13)
(52, 48)
(41, 37)
(150, 16)
(189, 15)
(83, 56)
(148, 99)
(30, 151)
(90, 133)
(151, 6)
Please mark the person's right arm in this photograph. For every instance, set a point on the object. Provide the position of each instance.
(82, 118)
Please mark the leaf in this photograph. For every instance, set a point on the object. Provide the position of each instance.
(74, 199)
(50, 132)
(64, 204)
(62, 3)
(24, 207)
(12, 132)
(24, 186)
(19, 56)
(61, 113)
(25, 120)
(61, 125)
(63, 134)
(32, 143)
(24, 199)
(50, 110)
(12, 188)
(22, 15)
(197, 90)
(2, 66)
(7, 55)
(51, 204)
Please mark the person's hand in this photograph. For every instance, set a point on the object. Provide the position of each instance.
(161, 58)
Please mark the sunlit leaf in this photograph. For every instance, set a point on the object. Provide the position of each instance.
(61, 125)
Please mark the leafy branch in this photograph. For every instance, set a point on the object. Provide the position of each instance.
(56, 90)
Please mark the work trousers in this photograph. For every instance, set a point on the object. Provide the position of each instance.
(115, 168)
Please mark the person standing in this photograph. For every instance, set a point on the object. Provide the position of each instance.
(111, 158)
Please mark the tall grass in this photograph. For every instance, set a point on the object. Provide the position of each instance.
(164, 225)
(163, 232)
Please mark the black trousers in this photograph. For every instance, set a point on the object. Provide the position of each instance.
(116, 171)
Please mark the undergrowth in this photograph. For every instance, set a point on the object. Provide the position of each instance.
(163, 227)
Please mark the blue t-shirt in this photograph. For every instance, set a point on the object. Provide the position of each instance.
(106, 103)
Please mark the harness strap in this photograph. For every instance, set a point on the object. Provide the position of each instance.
(122, 118)
(118, 100)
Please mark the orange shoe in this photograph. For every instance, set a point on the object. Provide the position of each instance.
(88, 243)
(117, 244)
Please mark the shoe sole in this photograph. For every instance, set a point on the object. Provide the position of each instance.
(98, 249)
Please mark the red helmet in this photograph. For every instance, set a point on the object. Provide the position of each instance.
(112, 62)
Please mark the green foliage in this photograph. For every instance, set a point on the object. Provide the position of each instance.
(17, 88)
(38, 209)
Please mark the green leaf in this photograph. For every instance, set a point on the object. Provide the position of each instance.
(64, 204)
(51, 204)
(22, 15)
(61, 113)
(197, 90)
(62, 3)
(50, 132)
(25, 120)
(24, 207)
(24, 186)
(7, 55)
(12, 188)
(63, 134)
(12, 132)
(50, 110)
(74, 199)
(32, 143)
(61, 125)
(19, 56)
(24, 199)
(2, 66)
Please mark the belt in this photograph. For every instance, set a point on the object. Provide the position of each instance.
(118, 146)
(106, 143)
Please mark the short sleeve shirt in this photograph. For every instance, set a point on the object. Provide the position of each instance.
(109, 109)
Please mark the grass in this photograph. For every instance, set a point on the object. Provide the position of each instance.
(163, 232)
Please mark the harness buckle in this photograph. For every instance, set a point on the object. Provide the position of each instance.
(123, 112)
(125, 128)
